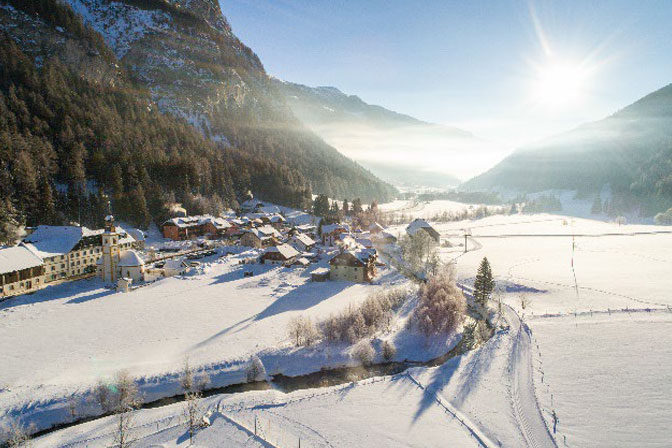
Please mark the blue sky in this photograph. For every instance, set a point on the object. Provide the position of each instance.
(473, 64)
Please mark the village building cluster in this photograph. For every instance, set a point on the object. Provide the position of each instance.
(52, 254)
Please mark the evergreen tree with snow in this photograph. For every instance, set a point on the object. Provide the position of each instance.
(484, 283)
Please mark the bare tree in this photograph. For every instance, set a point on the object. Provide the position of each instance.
(302, 331)
(525, 301)
(193, 413)
(193, 392)
(389, 350)
(120, 398)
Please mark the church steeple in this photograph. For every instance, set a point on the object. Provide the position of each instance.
(109, 271)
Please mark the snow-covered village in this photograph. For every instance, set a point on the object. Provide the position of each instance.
(208, 244)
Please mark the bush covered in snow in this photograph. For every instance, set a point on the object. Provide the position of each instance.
(441, 306)
(374, 314)
(364, 352)
(255, 370)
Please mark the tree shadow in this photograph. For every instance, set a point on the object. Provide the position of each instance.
(300, 298)
(440, 378)
(303, 297)
(93, 296)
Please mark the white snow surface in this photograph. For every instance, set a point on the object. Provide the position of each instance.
(585, 363)
(61, 340)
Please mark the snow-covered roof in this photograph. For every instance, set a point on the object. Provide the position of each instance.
(306, 227)
(269, 231)
(305, 239)
(49, 241)
(361, 255)
(124, 236)
(375, 227)
(329, 228)
(285, 250)
(384, 235)
(137, 234)
(130, 258)
(17, 258)
(298, 217)
(418, 224)
(198, 220)
(366, 242)
(302, 261)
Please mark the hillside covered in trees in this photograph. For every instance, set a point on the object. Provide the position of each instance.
(79, 124)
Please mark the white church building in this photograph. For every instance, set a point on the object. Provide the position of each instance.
(116, 263)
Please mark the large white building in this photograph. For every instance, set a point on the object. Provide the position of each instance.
(21, 271)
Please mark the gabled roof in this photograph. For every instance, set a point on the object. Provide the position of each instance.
(17, 258)
(49, 241)
(329, 228)
(198, 220)
(375, 227)
(305, 239)
(269, 231)
(362, 256)
(419, 224)
(285, 250)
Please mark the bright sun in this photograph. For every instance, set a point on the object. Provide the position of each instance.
(560, 84)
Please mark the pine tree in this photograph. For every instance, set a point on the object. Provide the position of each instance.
(346, 207)
(357, 207)
(10, 222)
(484, 283)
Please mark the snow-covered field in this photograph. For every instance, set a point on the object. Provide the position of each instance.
(61, 340)
(588, 365)
(425, 209)
(603, 361)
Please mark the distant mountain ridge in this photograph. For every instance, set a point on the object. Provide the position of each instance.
(380, 139)
(631, 151)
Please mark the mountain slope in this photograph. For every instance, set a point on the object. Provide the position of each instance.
(631, 151)
(185, 54)
(383, 140)
(77, 127)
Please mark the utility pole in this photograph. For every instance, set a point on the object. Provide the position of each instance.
(467, 234)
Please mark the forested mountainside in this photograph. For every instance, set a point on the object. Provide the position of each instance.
(631, 151)
(381, 139)
(147, 102)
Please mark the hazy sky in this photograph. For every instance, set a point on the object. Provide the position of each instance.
(473, 64)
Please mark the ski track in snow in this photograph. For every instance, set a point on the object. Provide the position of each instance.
(523, 398)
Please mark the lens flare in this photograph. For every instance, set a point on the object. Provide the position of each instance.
(560, 83)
